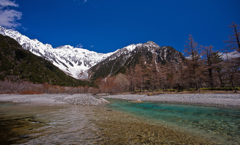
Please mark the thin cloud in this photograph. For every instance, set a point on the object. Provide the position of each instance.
(79, 46)
(8, 16)
(80, 1)
(7, 3)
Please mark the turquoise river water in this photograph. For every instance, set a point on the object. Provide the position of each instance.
(69, 124)
(222, 124)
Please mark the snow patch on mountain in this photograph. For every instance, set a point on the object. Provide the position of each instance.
(73, 61)
(229, 55)
(131, 47)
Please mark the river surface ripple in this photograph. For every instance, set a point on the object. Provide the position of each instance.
(33, 124)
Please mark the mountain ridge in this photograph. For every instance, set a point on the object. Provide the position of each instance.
(124, 59)
(20, 65)
(81, 63)
(73, 61)
(77, 62)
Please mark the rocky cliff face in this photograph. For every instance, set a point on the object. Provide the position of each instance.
(127, 57)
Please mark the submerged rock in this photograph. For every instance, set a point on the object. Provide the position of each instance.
(137, 101)
(104, 100)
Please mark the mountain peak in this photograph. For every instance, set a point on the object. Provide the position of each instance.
(151, 43)
(72, 61)
(130, 47)
(28, 67)
(127, 58)
(77, 61)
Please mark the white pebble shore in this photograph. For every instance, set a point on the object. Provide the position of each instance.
(88, 99)
(204, 99)
(75, 99)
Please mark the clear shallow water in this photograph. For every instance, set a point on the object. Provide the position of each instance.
(33, 124)
(221, 124)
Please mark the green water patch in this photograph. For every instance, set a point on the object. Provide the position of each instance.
(221, 123)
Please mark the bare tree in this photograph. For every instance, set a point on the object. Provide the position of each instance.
(194, 62)
(233, 64)
(233, 42)
(132, 79)
(217, 62)
(232, 68)
(210, 59)
(181, 76)
(121, 83)
(139, 78)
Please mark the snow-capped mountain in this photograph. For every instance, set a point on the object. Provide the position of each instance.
(73, 61)
(126, 58)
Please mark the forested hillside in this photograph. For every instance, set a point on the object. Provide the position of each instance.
(17, 64)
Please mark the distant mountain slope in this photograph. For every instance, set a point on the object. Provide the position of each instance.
(129, 56)
(73, 61)
(17, 64)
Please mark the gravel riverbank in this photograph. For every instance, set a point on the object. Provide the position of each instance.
(224, 100)
(53, 99)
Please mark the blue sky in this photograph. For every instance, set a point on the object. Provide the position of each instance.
(106, 25)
